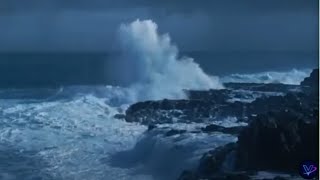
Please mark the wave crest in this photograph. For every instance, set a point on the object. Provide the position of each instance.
(293, 77)
(156, 69)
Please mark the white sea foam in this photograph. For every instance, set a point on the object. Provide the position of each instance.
(293, 76)
(71, 136)
(76, 137)
(157, 71)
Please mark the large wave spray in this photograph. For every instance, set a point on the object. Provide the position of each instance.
(156, 69)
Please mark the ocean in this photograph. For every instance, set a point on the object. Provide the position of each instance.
(58, 110)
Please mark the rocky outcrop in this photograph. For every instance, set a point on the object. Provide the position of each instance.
(204, 106)
(227, 130)
(278, 141)
(272, 87)
(312, 80)
(274, 141)
(189, 175)
(282, 132)
(212, 162)
(217, 96)
(299, 102)
(311, 84)
(282, 129)
(119, 116)
(169, 111)
(173, 132)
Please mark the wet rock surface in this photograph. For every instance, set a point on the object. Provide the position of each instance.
(282, 127)
(278, 141)
(228, 130)
(312, 80)
(282, 133)
(272, 87)
(120, 116)
(206, 106)
(212, 162)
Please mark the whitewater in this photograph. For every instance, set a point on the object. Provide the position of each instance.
(71, 132)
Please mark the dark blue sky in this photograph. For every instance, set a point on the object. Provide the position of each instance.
(207, 25)
(224, 36)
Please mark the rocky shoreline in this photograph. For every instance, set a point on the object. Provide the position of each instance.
(282, 126)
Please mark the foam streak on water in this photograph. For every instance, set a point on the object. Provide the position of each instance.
(72, 134)
(294, 76)
(78, 138)
(68, 136)
(71, 137)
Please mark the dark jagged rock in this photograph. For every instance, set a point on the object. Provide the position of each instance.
(311, 84)
(169, 111)
(119, 116)
(204, 106)
(151, 127)
(312, 80)
(218, 96)
(278, 141)
(211, 105)
(230, 176)
(212, 161)
(210, 164)
(272, 87)
(227, 130)
(299, 102)
(174, 132)
(275, 140)
(190, 175)
(282, 132)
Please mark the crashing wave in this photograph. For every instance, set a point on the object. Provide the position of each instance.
(293, 77)
(156, 69)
